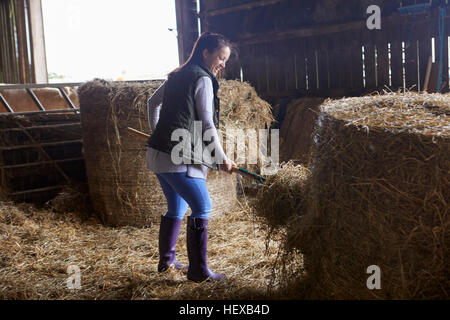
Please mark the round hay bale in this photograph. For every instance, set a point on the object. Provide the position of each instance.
(241, 108)
(122, 190)
(297, 128)
(379, 196)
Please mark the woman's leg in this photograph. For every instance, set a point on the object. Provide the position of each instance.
(195, 192)
(170, 227)
(176, 205)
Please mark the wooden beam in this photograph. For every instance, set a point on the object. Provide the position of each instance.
(240, 7)
(22, 41)
(187, 27)
(394, 19)
(38, 41)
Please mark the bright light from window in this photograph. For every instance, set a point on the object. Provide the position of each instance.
(107, 39)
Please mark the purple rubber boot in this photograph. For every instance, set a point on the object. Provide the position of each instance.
(197, 240)
(168, 235)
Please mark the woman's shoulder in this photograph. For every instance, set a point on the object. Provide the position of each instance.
(204, 81)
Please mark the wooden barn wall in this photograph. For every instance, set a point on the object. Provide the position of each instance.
(323, 47)
(15, 39)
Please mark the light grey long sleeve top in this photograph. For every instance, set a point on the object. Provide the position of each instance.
(160, 162)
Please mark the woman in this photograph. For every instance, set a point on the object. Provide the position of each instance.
(188, 95)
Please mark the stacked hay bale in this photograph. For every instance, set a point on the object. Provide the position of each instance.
(297, 128)
(242, 111)
(378, 195)
(122, 190)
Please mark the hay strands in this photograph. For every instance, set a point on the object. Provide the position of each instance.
(243, 172)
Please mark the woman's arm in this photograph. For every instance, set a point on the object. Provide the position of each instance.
(204, 105)
(154, 106)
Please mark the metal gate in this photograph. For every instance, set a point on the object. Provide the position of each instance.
(40, 151)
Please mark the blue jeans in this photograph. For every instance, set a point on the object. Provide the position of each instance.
(182, 191)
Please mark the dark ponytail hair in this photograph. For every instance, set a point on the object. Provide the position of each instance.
(209, 41)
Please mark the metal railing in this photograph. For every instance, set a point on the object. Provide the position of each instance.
(60, 86)
(29, 89)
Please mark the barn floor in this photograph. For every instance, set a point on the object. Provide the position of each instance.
(38, 244)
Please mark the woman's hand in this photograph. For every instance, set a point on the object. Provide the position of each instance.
(227, 165)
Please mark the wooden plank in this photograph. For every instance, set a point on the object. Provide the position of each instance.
(445, 70)
(13, 55)
(288, 67)
(335, 58)
(300, 65)
(424, 36)
(247, 59)
(390, 22)
(232, 70)
(428, 74)
(187, 27)
(369, 63)
(411, 72)
(271, 70)
(22, 42)
(409, 36)
(357, 74)
(396, 65)
(344, 65)
(433, 80)
(260, 69)
(255, 65)
(277, 64)
(239, 7)
(311, 64)
(445, 64)
(311, 70)
(323, 63)
(434, 71)
(282, 61)
(290, 72)
(3, 44)
(382, 63)
(267, 72)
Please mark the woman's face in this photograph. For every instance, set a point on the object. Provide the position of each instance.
(216, 61)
